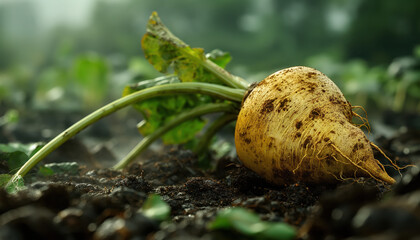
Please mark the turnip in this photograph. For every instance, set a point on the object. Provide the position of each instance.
(294, 126)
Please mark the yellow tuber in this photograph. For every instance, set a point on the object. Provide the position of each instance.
(296, 125)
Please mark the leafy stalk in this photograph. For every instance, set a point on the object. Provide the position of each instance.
(217, 91)
(193, 113)
(228, 78)
(163, 50)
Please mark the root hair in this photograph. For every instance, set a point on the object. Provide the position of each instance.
(352, 162)
(363, 119)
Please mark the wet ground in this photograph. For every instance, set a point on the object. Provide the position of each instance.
(99, 203)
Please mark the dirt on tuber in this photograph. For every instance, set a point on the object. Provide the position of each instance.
(296, 126)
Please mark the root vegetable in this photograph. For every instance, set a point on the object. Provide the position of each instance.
(296, 125)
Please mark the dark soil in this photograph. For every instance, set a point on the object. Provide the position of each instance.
(99, 203)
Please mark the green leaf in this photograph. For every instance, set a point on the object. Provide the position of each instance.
(278, 231)
(249, 224)
(159, 110)
(155, 208)
(28, 149)
(4, 178)
(237, 218)
(70, 168)
(11, 116)
(168, 53)
(45, 171)
(90, 72)
(16, 154)
(14, 186)
(184, 132)
(15, 160)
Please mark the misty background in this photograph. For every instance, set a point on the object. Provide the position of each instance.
(77, 55)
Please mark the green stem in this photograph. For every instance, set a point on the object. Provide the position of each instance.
(212, 130)
(162, 90)
(225, 76)
(193, 113)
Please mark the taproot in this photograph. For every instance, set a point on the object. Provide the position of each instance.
(296, 126)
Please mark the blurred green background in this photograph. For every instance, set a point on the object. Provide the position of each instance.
(72, 55)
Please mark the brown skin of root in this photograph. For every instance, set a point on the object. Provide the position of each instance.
(289, 125)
